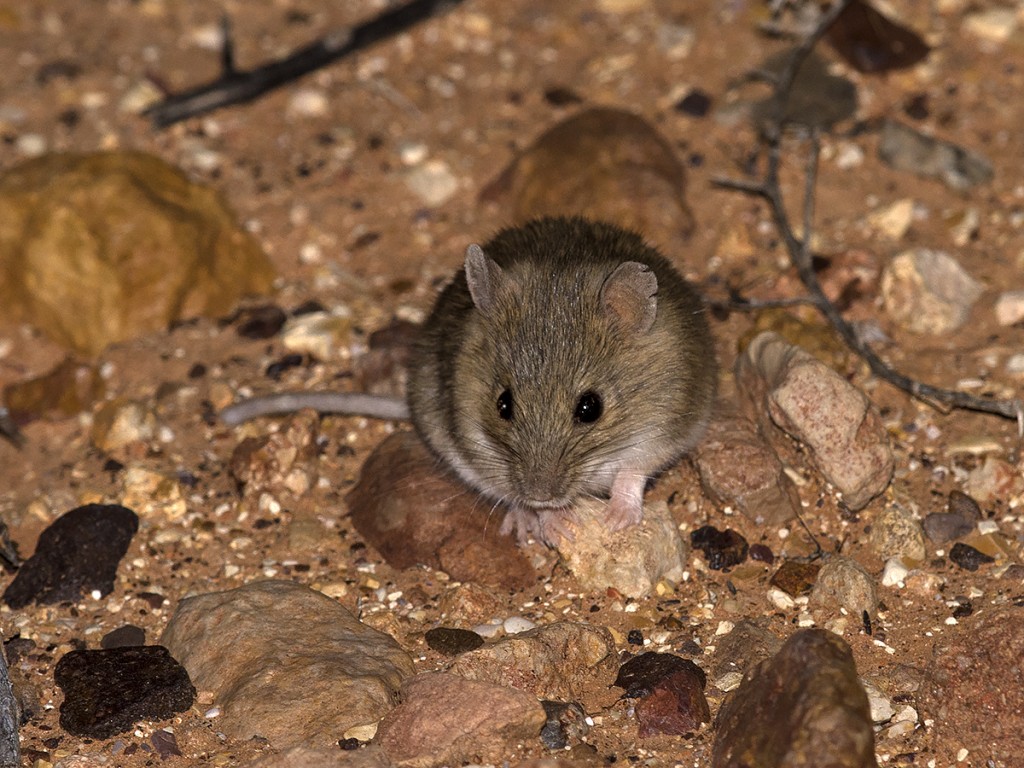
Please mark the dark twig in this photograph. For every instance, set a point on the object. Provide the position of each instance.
(799, 249)
(235, 86)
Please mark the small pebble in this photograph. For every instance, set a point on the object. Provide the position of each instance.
(894, 573)
(697, 103)
(30, 144)
(992, 25)
(967, 557)
(308, 102)
(432, 182)
(1010, 307)
(722, 549)
(516, 624)
(941, 527)
(451, 641)
(795, 578)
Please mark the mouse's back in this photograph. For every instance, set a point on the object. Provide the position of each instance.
(564, 352)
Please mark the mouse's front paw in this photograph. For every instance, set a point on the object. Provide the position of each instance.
(623, 512)
(545, 525)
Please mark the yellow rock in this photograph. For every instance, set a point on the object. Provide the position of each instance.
(99, 248)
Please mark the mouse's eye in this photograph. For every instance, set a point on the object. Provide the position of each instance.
(588, 408)
(505, 405)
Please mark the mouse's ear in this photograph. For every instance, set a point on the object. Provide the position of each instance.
(482, 277)
(630, 296)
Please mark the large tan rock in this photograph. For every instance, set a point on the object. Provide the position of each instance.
(98, 248)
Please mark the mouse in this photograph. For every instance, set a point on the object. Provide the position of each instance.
(566, 359)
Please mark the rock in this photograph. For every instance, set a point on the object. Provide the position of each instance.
(722, 549)
(870, 41)
(843, 583)
(78, 553)
(557, 661)
(1010, 307)
(602, 163)
(969, 558)
(99, 248)
(413, 513)
(108, 691)
(69, 389)
(450, 641)
(748, 644)
(738, 468)
(286, 662)
(432, 182)
(973, 688)
(370, 756)
(893, 220)
(927, 291)
(818, 99)
(120, 424)
(566, 724)
(445, 719)
(905, 149)
(962, 504)
(795, 578)
(153, 493)
(896, 532)
(10, 746)
(676, 705)
(992, 25)
(785, 386)
(941, 527)
(321, 335)
(125, 636)
(671, 693)
(631, 560)
(996, 479)
(804, 707)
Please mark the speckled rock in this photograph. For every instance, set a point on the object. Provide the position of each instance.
(843, 583)
(632, 560)
(98, 248)
(108, 691)
(10, 745)
(896, 532)
(413, 513)
(445, 719)
(286, 662)
(78, 553)
(906, 149)
(928, 291)
(556, 661)
(120, 424)
(973, 688)
(785, 386)
(281, 464)
(738, 468)
(802, 708)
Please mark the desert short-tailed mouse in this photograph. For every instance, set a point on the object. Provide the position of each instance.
(566, 359)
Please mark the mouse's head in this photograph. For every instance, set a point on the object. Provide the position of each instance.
(557, 387)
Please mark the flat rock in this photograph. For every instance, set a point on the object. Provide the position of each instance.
(739, 468)
(557, 661)
(927, 291)
(906, 149)
(602, 163)
(78, 553)
(286, 662)
(414, 513)
(786, 387)
(10, 745)
(973, 688)
(101, 247)
(108, 691)
(802, 708)
(631, 560)
(445, 719)
(897, 532)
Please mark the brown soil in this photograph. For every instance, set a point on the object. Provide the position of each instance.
(471, 88)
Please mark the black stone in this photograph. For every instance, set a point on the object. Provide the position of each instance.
(10, 747)
(124, 637)
(78, 553)
(968, 558)
(452, 642)
(165, 744)
(696, 103)
(964, 505)
(762, 553)
(107, 691)
(722, 549)
(261, 322)
(642, 673)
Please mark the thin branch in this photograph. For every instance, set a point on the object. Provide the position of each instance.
(236, 86)
(799, 249)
